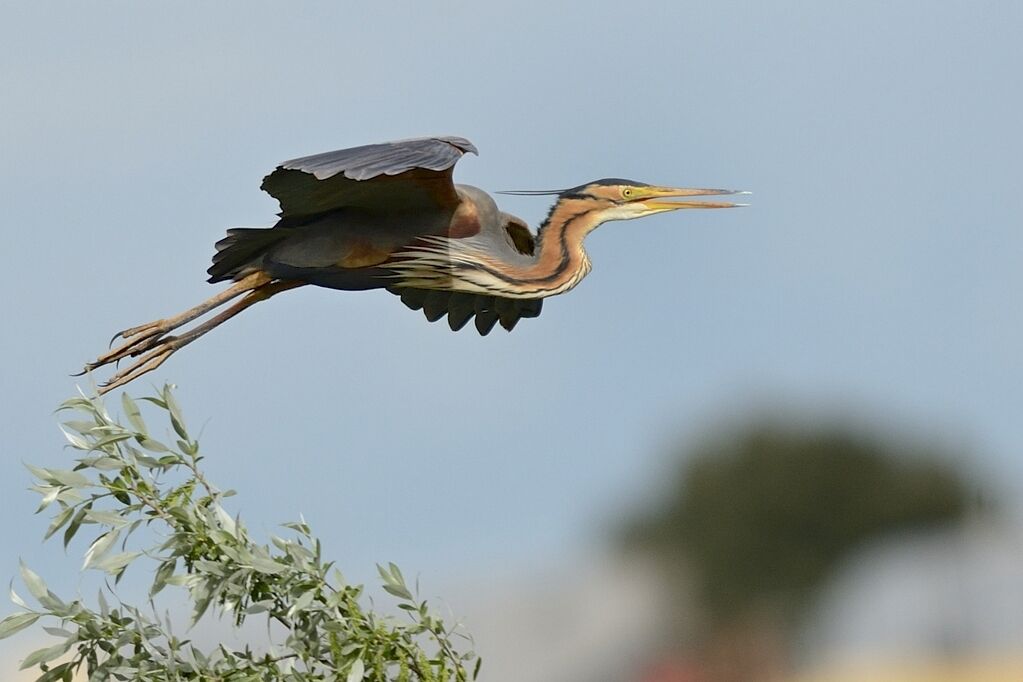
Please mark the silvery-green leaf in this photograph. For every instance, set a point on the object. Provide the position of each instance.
(33, 582)
(70, 496)
(399, 591)
(153, 446)
(76, 441)
(48, 497)
(80, 426)
(111, 439)
(165, 571)
(183, 579)
(58, 673)
(115, 562)
(16, 623)
(99, 546)
(48, 654)
(202, 599)
(339, 577)
(303, 600)
(40, 473)
(268, 566)
(211, 567)
(225, 519)
(107, 464)
(156, 401)
(58, 521)
(384, 575)
(75, 524)
(58, 632)
(71, 479)
(177, 421)
(259, 606)
(17, 599)
(132, 412)
(106, 518)
(356, 672)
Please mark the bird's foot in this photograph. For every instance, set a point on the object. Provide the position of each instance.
(152, 353)
(152, 345)
(138, 340)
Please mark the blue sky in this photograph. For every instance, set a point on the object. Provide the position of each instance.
(876, 274)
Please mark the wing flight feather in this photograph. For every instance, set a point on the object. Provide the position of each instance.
(415, 173)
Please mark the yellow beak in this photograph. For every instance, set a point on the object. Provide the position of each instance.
(650, 196)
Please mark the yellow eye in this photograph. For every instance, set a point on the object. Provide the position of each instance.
(627, 192)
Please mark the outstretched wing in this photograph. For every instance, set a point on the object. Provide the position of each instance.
(393, 176)
(460, 307)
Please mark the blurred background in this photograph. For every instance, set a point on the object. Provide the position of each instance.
(781, 443)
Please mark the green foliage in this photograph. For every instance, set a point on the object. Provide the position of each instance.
(764, 515)
(126, 480)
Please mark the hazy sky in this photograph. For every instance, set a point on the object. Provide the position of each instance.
(878, 270)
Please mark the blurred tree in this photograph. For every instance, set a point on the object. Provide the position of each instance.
(758, 519)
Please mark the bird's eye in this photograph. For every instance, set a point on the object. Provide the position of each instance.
(627, 192)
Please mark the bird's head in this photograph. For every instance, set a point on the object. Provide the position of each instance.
(618, 199)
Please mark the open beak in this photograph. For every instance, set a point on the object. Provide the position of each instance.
(652, 197)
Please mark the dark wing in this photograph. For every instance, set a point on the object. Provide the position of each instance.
(392, 176)
(460, 307)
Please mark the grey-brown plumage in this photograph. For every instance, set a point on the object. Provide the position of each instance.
(419, 172)
(390, 216)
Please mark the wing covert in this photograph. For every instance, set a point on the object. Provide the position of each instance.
(405, 174)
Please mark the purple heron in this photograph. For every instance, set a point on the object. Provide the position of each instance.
(389, 216)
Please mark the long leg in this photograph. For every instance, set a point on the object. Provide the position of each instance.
(253, 281)
(145, 336)
(156, 352)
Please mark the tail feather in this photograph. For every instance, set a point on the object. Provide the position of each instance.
(240, 252)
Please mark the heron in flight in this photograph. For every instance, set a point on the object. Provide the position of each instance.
(388, 216)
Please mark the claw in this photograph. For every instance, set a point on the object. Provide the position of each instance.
(152, 328)
(132, 348)
(147, 363)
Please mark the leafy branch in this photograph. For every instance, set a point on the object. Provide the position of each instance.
(126, 480)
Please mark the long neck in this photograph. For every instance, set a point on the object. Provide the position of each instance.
(558, 262)
(561, 262)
